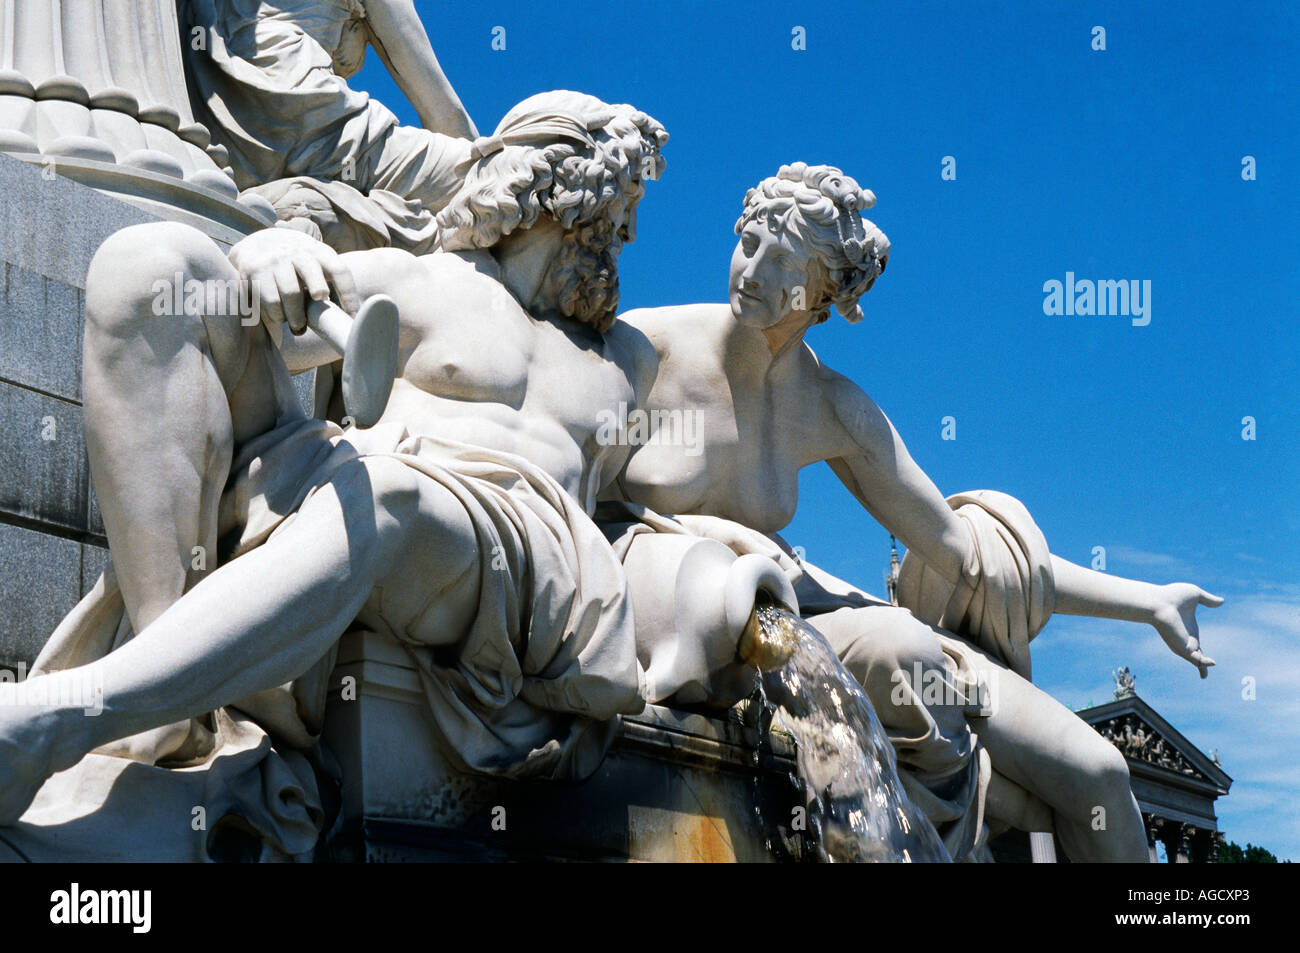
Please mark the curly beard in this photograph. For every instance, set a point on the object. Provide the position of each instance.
(584, 275)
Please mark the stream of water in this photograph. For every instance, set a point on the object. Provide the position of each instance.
(857, 809)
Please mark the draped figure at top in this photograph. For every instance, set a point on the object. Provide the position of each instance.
(269, 80)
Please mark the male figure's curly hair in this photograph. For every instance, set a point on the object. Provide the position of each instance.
(822, 206)
(579, 160)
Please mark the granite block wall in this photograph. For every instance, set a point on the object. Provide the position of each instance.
(52, 545)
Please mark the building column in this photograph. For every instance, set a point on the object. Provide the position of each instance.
(1216, 841)
(1152, 825)
(1042, 847)
(1183, 844)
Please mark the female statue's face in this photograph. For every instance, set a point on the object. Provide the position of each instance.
(769, 277)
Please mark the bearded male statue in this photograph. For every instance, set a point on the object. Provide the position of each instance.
(458, 525)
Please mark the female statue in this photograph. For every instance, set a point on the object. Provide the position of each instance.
(978, 577)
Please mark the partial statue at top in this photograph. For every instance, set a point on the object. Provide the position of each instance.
(269, 79)
(96, 89)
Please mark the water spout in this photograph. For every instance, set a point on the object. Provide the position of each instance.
(856, 807)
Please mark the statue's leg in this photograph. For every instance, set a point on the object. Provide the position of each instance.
(167, 395)
(262, 619)
(1007, 804)
(1049, 751)
(1060, 768)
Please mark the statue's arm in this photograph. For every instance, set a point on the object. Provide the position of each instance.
(870, 458)
(287, 270)
(633, 352)
(402, 43)
(1170, 609)
(1082, 591)
(878, 470)
(306, 351)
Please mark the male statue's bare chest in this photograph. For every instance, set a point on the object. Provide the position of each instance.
(477, 344)
(469, 343)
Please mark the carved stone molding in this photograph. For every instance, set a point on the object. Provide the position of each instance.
(94, 90)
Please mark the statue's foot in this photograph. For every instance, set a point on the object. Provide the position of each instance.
(27, 741)
(21, 776)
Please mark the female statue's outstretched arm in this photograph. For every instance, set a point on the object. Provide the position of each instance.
(402, 43)
(1170, 609)
(877, 469)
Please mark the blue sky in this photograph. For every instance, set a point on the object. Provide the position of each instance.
(1117, 164)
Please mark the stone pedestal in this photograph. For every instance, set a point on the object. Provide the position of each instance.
(675, 786)
(51, 540)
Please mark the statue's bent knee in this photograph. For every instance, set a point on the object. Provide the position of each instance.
(874, 642)
(129, 271)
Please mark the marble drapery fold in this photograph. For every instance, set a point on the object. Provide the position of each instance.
(1007, 591)
(347, 220)
(533, 688)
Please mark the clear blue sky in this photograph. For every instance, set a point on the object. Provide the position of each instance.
(1118, 164)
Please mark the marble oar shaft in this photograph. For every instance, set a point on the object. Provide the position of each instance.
(332, 323)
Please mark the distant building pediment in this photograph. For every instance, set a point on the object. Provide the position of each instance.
(1148, 741)
(1175, 782)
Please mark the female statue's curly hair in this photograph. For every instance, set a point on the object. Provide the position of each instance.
(822, 206)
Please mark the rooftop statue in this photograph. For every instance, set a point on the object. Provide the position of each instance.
(1125, 682)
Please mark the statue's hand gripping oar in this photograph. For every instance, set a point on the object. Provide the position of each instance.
(368, 344)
